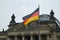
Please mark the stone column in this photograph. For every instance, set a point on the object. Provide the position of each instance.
(15, 37)
(31, 37)
(8, 38)
(23, 37)
(39, 37)
(47, 37)
(54, 36)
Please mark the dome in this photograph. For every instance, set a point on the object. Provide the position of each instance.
(44, 17)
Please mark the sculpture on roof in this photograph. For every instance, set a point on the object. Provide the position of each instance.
(12, 22)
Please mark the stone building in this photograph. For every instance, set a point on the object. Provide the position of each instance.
(46, 28)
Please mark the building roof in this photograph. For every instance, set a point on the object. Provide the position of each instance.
(46, 18)
(43, 18)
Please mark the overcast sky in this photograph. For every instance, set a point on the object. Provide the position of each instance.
(24, 7)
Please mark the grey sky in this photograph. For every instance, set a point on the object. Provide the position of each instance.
(24, 7)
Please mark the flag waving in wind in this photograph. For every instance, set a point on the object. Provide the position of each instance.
(33, 17)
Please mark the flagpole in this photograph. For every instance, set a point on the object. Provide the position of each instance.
(39, 13)
(39, 22)
(38, 7)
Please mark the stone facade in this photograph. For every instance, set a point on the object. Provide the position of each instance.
(46, 28)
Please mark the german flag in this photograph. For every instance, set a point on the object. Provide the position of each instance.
(33, 17)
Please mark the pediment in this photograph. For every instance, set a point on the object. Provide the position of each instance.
(33, 26)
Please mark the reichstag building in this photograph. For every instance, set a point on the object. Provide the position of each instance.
(46, 28)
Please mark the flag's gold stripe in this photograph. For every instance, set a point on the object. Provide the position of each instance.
(31, 19)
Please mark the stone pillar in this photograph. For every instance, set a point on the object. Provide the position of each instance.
(31, 37)
(15, 37)
(8, 38)
(54, 36)
(39, 37)
(23, 37)
(47, 37)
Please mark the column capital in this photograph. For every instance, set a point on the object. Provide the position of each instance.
(15, 37)
(47, 37)
(31, 37)
(8, 38)
(23, 37)
(39, 37)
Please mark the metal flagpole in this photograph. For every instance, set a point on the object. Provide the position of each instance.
(38, 24)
